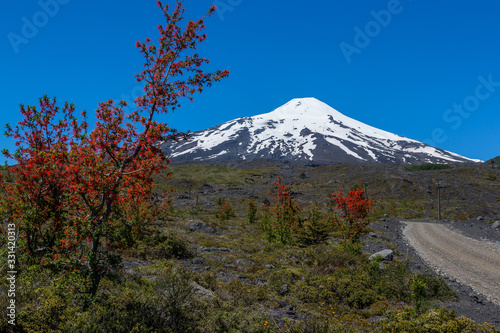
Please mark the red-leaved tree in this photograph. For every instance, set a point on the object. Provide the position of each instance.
(354, 208)
(38, 201)
(81, 185)
(281, 220)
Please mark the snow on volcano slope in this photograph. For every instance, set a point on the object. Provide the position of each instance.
(305, 129)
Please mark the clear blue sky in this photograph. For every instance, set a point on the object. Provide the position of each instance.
(423, 69)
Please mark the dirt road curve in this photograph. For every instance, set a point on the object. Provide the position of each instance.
(467, 260)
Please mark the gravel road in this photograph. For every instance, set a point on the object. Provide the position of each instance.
(469, 261)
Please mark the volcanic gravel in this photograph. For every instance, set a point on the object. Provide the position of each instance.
(470, 303)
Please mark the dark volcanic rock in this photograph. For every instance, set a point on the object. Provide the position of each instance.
(214, 249)
(199, 226)
(283, 290)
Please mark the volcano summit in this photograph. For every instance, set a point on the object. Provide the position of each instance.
(309, 130)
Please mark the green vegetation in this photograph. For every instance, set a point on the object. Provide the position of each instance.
(494, 162)
(428, 166)
(334, 288)
(6, 174)
(97, 240)
(308, 283)
(252, 211)
(220, 175)
(225, 210)
(437, 320)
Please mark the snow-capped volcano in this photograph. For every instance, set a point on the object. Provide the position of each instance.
(305, 129)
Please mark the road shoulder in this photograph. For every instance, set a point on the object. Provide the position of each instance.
(470, 303)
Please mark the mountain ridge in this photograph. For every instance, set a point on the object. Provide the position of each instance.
(309, 130)
(494, 162)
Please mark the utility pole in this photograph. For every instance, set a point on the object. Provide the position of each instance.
(439, 186)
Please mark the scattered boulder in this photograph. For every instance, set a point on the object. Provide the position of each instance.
(242, 262)
(387, 255)
(480, 218)
(283, 290)
(282, 304)
(269, 266)
(214, 249)
(199, 226)
(151, 278)
(496, 225)
(261, 282)
(198, 261)
(201, 291)
(475, 298)
(274, 314)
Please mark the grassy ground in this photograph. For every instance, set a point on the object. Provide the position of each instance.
(494, 162)
(234, 280)
(468, 191)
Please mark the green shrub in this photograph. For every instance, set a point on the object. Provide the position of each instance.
(125, 309)
(251, 212)
(288, 276)
(280, 221)
(177, 298)
(220, 200)
(392, 282)
(315, 229)
(161, 246)
(241, 319)
(224, 210)
(329, 258)
(436, 321)
(491, 177)
(140, 305)
(428, 166)
(361, 298)
(207, 280)
(418, 295)
(436, 288)
(317, 326)
(47, 313)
